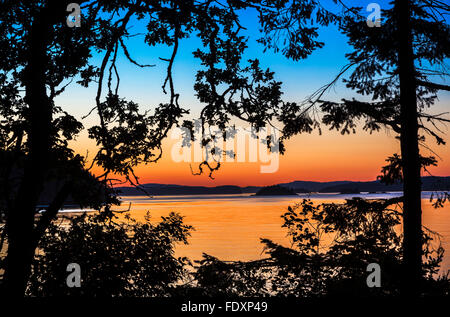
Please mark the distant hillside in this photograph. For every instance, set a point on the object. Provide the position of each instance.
(275, 190)
(162, 189)
(307, 186)
(250, 189)
(429, 184)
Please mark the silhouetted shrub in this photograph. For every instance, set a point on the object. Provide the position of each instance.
(117, 258)
(332, 245)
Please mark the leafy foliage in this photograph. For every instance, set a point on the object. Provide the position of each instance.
(374, 72)
(123, 258)
(331, 246)
(41, 56)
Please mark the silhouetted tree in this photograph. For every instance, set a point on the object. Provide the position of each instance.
(38, 52)
(394, 64)
(41, 55)
(330, 250)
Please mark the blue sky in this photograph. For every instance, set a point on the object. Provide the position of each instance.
(300, 79)
(144, 85)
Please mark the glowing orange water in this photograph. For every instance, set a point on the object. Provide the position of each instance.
(230, 227)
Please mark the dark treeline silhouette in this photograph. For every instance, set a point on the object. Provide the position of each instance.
(274, 190)
(429, 183)
(41, 55)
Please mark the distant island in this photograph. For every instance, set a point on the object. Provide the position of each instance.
(351, 191)
(275, 190)
(429, 183)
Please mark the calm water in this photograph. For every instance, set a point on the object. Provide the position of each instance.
(230, 226)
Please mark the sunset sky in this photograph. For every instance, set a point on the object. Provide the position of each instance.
(314, 157)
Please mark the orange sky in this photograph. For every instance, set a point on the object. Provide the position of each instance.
(330, 156)
(313, 157)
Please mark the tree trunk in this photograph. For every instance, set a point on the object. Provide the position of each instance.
(412, 213)
(20, 221)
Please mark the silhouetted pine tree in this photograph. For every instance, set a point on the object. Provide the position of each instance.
(396, 64)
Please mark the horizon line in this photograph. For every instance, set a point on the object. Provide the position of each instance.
(243, 186)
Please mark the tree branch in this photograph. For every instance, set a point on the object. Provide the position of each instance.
(51, 212)
(433, 85)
